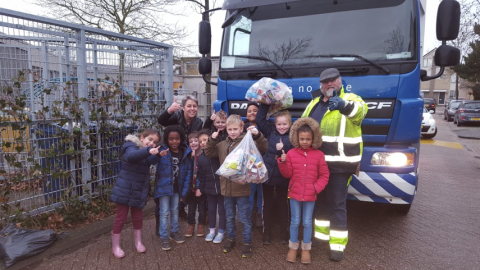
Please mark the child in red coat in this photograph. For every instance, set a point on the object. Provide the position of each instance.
(307, 169)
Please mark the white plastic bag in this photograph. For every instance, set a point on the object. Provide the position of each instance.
(271, 92)
(245, 163)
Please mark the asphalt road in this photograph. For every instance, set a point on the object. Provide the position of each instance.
(441, 231)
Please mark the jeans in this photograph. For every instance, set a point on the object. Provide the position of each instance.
(168, 208)
(193, 202)
(275, 200)
(297, 208)
(243, 205)
(215, 201)
(258, 189)
(121, 218)
(331, 203)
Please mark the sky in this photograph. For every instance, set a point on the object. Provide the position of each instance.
(192, 19)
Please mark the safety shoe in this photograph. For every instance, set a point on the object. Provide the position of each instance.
(165, 244)
(247, 250)
(175, 236)
(229, 245)
(336, 255)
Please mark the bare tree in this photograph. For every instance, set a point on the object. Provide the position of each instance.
(293, 48)
(395, 41)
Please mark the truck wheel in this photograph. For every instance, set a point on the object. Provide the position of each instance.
(401, 209)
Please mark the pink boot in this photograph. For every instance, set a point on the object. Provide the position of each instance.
(116, 249)
(137, 234)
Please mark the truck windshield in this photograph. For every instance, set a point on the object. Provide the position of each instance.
(295, 33)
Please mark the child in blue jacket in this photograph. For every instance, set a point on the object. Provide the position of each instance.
(132, 185)
(172, 181)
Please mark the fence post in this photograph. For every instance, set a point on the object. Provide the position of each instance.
(83, 95)
(168, 77)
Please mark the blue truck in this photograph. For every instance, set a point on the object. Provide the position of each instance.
(377, 47)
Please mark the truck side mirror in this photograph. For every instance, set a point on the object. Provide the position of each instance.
(448, 20)
(446, 56)
(204, 38)
(204, 66)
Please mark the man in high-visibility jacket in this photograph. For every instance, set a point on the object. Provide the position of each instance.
(340, 115)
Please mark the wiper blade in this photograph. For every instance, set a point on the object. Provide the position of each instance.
(263, 59)
(385, 70)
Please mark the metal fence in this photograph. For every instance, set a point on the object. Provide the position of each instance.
(68, 96)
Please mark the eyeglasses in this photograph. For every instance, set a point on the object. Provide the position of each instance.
(329, 80)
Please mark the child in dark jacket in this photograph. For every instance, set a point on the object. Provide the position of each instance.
(216, 123)
(195, 200)
(252, 109)
(172, 181)
(208, 183)
(275, 189)
(236, 194)
(132, 186)
(307, 169)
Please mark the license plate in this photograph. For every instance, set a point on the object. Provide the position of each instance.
(426, 105)
(475, 119)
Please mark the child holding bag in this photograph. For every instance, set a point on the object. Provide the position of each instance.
(307, 169)
(132, 186)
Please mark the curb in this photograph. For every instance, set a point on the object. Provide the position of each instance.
(76, 237)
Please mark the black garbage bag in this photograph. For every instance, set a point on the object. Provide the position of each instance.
(17, 244)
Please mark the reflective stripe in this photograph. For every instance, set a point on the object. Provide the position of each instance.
(322, 223)
(339, 234)
(354, 111)
(345, 140)
(344, 158)
(337, 247)
(322, 236)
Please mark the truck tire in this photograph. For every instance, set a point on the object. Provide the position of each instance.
(401, 209)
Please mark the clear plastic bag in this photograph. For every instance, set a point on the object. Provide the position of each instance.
(245, 163)
(271, 92)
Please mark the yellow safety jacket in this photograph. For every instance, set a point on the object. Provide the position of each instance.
(342, 133)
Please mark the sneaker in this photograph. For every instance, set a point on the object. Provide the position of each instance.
(175, 236)
(247, 250)
(229, 245)
(219, 238)
(166, 244)
(210, 237)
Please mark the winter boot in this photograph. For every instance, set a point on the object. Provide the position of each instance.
(190, 229)
(116, 249)
(259, 221)
(292, 252)
(306, 253)
(137, 235)
(200, 230)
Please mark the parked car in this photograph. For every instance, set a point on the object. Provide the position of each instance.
(450, 109)
(429, 128)
(467, 112)
(429, 104)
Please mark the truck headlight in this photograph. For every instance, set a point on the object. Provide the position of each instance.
(393, 159)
